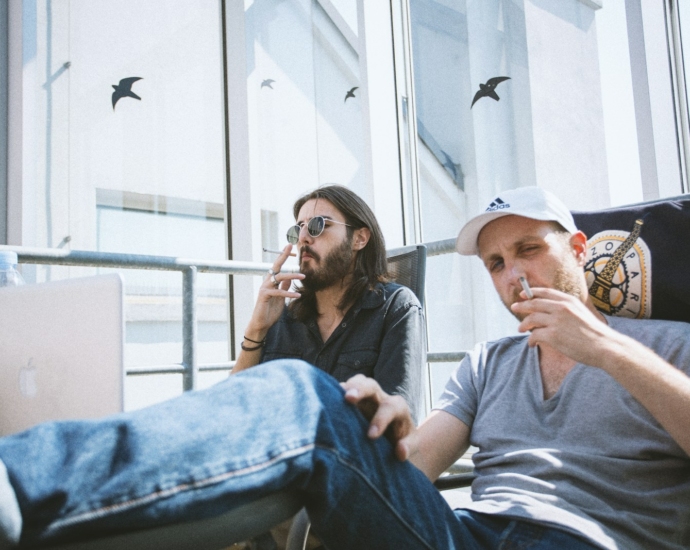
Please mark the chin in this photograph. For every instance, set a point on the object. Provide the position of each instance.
(507, 306)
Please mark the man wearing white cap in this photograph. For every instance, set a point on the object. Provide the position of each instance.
(582, 426)
(579, 424)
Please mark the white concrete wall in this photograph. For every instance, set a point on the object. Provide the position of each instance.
(567, 112)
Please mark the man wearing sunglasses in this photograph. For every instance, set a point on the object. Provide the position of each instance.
(344, 317)
(582, 426)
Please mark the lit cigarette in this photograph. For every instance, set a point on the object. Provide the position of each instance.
(277, 252)
(526, 288)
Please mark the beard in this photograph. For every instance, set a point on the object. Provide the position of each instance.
(567, 279)
(333, 269)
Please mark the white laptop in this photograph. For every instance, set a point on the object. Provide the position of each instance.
(61, 351)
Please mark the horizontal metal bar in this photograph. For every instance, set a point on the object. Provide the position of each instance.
(461, 466)
(436, 248)
(216, 367)
(175, 368)
(178, 368)
(446, 357)
(55, 256)
(454, 481)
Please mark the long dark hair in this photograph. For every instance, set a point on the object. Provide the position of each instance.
(371, 266)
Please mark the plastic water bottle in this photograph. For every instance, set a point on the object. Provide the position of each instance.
(9, 276)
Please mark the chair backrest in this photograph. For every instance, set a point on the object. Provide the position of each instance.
(407, 266)
(639, 258)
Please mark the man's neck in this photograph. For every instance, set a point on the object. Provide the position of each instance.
(328, 313)
(328, 300)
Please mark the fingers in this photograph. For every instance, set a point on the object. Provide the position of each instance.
(403, 448)
(387, 414)
(272, 292)
(280, 260)
(564, 323)
(545, 300)
(360, 388)
(283, 280)
(392, 418)
(280, 280)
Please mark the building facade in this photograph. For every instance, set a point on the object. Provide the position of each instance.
(188, 129)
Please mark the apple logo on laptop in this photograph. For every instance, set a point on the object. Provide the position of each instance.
(27, 379)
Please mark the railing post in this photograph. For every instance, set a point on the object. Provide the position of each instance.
(189, 329)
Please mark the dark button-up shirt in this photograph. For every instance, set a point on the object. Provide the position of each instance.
(381, 336)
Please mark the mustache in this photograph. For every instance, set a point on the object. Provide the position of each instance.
(308, 250)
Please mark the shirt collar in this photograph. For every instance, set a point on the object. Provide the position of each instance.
(373, 298)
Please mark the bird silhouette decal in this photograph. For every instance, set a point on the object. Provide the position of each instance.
(488, 89)
(124, 89)
(268, 83)
(350, 93)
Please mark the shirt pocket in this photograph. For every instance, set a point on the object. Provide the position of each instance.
(356, 362)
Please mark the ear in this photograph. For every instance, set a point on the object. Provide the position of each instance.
(578, 243)
(360, 238)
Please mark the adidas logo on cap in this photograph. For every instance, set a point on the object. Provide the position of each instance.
(497, 204)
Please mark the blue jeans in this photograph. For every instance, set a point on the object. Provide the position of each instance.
(279, 425)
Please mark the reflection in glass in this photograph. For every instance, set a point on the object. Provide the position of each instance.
(144, 175)
(305, 128)
(466, 153)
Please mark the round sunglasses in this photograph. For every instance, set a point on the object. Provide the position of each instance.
(315, 227)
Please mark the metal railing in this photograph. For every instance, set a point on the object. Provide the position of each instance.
(188, 267)
(438, 248)
(188, 368)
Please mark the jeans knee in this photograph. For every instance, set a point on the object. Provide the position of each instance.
(302, 378)
(295, 370)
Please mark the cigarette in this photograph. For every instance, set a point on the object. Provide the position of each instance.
(277, 252)
(526, 288)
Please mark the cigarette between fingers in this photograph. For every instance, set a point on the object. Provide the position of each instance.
(526, 288)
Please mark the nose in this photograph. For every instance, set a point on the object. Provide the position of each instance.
(516, 272)
(304, 236)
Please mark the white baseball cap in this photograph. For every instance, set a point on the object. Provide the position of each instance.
(528, 202)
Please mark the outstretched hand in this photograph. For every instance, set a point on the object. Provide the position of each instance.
(388, 415)
(565, 323)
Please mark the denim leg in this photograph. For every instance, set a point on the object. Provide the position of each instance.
(486, 531)
(275, 426)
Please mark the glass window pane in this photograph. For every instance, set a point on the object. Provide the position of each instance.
(462, 162)
(622, 153)
(124, 143)
(305, 104)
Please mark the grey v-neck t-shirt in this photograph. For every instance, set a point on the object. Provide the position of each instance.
(590, 460)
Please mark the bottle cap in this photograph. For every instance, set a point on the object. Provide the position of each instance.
(7, 257)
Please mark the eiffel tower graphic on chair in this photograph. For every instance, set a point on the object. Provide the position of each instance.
(601, 287)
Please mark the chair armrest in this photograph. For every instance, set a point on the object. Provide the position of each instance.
(454, 481)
